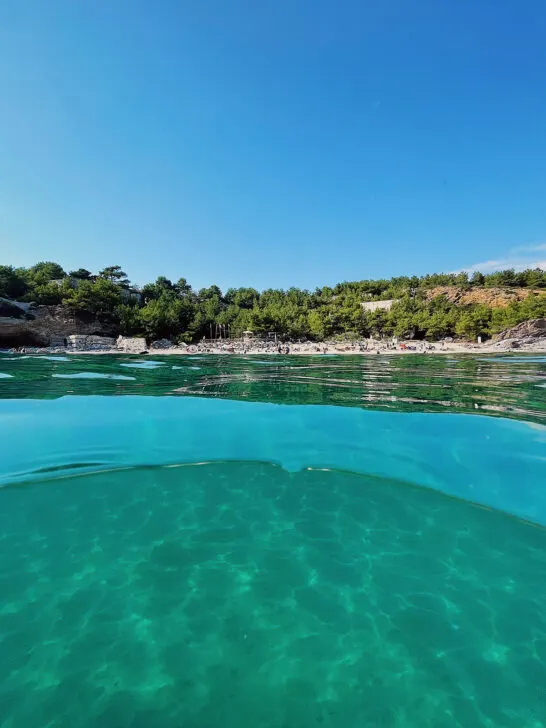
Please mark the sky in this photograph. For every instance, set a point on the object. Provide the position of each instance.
(273, 143)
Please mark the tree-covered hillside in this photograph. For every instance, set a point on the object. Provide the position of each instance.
(175, 310)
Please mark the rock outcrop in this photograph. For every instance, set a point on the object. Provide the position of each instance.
(81, 342)
(44, 325)
(132, 345)
(162, 344)
(492, 297)
(525, 332)
(9, 309)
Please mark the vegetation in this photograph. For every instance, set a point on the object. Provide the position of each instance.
(174, 310)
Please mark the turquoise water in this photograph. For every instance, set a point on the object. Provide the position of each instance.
(229, 546)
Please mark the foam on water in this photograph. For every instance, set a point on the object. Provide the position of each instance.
(94, 375)
(148, 364)
(55, 358)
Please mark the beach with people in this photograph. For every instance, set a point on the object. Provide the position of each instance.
(364, 347)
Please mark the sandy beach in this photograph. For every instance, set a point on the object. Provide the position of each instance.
(405, 348)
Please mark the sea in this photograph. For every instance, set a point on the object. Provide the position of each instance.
(272, 542)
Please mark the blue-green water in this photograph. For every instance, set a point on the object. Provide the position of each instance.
(229, 546)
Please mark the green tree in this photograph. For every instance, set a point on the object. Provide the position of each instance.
(318, 324)
(183, 288)
(167, 316)
(378, 323)
(12, 283)
(473, 321)
(153, 291)
(242, 297)
(128, 316)
(461, 279)
(101, 298)
(81, 274)
(478, 279)
(115, 274)
(49, 294)
(534, 278)
(501, 278)
(44, 272)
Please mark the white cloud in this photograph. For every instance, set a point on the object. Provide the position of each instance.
(529, 248)
(518, 258)
(487, 266)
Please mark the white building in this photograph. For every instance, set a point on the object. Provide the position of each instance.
(376, 305)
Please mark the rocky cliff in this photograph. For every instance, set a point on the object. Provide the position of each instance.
(44, 325)
(492, 297)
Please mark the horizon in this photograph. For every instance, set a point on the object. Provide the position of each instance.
(302, 144)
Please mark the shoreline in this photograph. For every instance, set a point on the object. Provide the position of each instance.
(402, 349)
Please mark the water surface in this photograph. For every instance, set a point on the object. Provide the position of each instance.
(499, 385)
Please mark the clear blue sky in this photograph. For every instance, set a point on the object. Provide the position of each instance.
(273, 143)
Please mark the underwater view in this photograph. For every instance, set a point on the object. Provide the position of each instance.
(286, 542)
